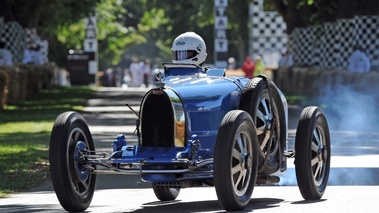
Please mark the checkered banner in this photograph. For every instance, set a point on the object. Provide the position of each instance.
(17, 39)
(268, 36)
(330, 45)
(326, 46)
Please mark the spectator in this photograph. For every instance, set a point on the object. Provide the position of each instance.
(111, 78)
(259, 66)
(135, 73)
(286, 60)
(248, 67)
(119, 76)
(27, 59)
(146, 70)
(359, 61)
(38, 59)
(5, 55)
(231, 63)
(32, 55)
(63, 78)
(126, 79)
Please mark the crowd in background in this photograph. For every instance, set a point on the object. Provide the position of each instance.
(253, 68)
(357, 62)
(137, 74)
(32, 55)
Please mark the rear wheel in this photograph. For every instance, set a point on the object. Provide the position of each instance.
(70, 141)
(236, 160)
(312, 153)
(164, 193)
(261, 99)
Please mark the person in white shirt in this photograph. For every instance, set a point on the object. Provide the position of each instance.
(359, 61)
(136, 73)
(286, 60)
(37, 55)
(5, 55)
(27, 59)
(33, 55)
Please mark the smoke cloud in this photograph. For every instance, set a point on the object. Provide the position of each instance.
(348, 108)
(352, 112)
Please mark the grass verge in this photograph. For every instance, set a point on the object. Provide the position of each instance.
(25, 133)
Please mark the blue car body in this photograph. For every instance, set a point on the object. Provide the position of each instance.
(197, 126)
(178, 124)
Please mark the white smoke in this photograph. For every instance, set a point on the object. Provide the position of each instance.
(347, 108)
(352, 113)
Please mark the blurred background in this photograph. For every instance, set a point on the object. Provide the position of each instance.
(146, 28)
(93, 42)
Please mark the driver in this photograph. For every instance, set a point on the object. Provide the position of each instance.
(189, 48)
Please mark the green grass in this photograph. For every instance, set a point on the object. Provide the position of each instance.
(25, 133)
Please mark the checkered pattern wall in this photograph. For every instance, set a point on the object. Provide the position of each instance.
(13, 36)
(18, 39)
(325, 46)
(330, 45)
(32, 39)
(268, 33)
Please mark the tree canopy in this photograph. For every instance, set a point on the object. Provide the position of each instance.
(146, 28)
(302, 13)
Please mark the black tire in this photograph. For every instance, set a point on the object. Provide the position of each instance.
(312, 153)
(235, 160)
(164, 193)
(72, 182)
(261, 99)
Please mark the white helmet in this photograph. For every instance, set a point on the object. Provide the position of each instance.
(189, 48)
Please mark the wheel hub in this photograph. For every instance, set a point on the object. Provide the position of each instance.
(246, 161)
(322, 153)
(268, 124)
(81, 171)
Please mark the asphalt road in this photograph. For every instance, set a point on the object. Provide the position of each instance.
(353, 184)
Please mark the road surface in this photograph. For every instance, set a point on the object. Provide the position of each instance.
(353, 184)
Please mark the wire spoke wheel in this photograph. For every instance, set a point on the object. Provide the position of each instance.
(236, 160)
(312, 153)
(261, 99)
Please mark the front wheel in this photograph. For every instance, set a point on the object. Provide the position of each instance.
(236, 160)
(70, 142)
(312, 153)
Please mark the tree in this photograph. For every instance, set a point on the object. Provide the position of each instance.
(238, 27)
(302, 13)
(48, 17)
(144, 28)
(198, 16)
(163, 21)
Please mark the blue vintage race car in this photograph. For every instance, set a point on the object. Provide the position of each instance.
(197, 126)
